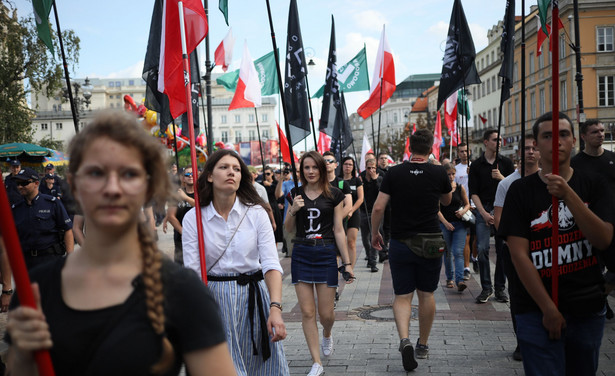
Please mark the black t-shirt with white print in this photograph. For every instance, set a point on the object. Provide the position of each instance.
(415, 190)
(354, 183)
(527, 214)
(315, 219)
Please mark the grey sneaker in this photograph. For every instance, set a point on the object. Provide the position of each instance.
(407, 355)
(484, 296)
(422, 351)
(501, 296)
(466, 274)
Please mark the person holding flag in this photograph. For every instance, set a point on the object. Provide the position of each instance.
(561, 338)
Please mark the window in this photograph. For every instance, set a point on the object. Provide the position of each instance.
(237, 118)
(509, 116)
(542, 101)
(237, 136)
(475, 122)
(606, 91)
(493, 83)
(224, 136)
(55, 108)
(44, 127)
(265, 134)
(118, 83)
(474, 92)
(110, 84)
(252, 135)
(531, 61)
(563, 93)
(487, 60)
(265, 118)
(131, 83)
(60, 107)
(488, 86)
(223, 119)
(541, 61)
(482, 89)
(482, 63)
(517, 115)
(111, 105)
(493, 56)
(395, 117)
(250, 118)
(515, 74)
(489, 118)
(562, 46)
(58, 126)
(605, 39)
(533, 105)
(82, 124)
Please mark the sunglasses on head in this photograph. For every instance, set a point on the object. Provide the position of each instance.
(23, 183)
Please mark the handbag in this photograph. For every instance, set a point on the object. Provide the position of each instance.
(426, 245)
(468, 216)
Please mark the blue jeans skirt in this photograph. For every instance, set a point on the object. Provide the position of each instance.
(314, 264)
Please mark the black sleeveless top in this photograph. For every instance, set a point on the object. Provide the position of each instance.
(456, 202)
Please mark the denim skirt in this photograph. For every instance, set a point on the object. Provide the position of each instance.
(314, 264)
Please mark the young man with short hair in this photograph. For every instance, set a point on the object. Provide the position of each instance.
(561, 339)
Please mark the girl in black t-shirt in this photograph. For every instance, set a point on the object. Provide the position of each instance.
(116, 307)
(354, 217)
(316, 215)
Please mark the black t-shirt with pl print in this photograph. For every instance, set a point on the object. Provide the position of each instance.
(527, 213)
(315, 219)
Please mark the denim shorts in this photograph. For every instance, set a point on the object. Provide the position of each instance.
(411, 272)
(314, 264)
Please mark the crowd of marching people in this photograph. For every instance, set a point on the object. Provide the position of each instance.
(110, 302)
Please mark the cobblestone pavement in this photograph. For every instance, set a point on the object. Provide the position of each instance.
(466, 338)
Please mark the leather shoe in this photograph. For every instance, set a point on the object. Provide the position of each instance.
(374, 269)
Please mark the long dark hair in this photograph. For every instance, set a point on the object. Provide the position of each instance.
(246, 193)
(353, 173)
(323, 182)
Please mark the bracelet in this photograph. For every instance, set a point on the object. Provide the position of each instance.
(276, 304)
(346, 264)
(291, 213)
(7, 292)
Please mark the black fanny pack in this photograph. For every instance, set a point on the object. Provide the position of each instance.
(426, 245)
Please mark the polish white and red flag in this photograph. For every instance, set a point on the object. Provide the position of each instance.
(248, 90)
(450, 117)
(324, 142)
(171, 80)
(437, 137)
(383, 80)
(366, 148)
(224, 53)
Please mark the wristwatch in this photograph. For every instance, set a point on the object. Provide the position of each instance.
(7, 292)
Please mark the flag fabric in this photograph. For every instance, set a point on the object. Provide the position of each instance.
(248, 92)
(352, 76)
(41, 17)
(223, 6)
(267, 76)
(341, 138)
(365, 148)
(507, 46)
(324, 142)
(544, 29)
(383, 81)
(450, 117)
(284, 145)
(224, 53)
(406, 150)
(463, 103)
(170, 66)
(484, 120)
(331, 101)
(458, 68)
(295, 87)
(195, 93)
(437, 137)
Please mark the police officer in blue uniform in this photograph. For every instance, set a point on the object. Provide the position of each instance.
(44, 228)
(10, 183)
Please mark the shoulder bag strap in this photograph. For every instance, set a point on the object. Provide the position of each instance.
(229, 242)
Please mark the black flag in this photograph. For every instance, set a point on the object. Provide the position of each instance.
(195, 90)
(295, 89)
(155, 100)
(331, 95)
(341, 138)
(458, 67)
(508, 50)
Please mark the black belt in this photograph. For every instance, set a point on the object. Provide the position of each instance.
(252, 281)
(313, 242)
(40, 252)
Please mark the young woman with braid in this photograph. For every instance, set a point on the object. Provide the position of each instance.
(117, 307)
(243, 267)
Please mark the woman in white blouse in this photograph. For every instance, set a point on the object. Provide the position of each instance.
(243, 267)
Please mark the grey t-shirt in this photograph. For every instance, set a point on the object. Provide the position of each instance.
(500, 194)
(262, 192)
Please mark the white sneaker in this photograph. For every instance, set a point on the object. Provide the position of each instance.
(316, 370)
(327, 345)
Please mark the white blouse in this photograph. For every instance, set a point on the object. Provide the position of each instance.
(252, 248)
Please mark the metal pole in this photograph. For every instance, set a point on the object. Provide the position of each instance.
(208, 68)
(175, 146)
(206, 122)
(555, 146)
(311, 114)
(579, 75)
(522, 88)
(260, 143)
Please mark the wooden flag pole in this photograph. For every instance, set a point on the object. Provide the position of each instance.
(197, 205)
(555, 150)
(20, 273)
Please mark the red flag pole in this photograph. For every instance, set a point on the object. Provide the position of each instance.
(197, 205)
(20, 273)
(555, 149)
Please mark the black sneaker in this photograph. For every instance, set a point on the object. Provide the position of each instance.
(501, 296)
(517, 354)
(407, 355)
(484, 296)
(374, 268)
(475, 265)
(422, 351)
(609, 312)
(337, 295)
(382, 256)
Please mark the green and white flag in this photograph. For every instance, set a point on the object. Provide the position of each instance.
(352, 76)
(267, 76)
(41, 17)
(223, 6)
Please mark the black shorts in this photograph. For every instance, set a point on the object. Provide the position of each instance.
(411, 272)
(354, 221)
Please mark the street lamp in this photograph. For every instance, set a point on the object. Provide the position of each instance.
(81, 102)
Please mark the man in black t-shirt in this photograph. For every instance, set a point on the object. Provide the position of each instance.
(371, 187)
(485, 174)
(178, 210)
(585, 225)
(415, 189)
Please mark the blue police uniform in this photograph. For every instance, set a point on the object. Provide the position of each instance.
(11, 189)
(41, 228)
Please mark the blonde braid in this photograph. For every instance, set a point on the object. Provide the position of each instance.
(154, 297)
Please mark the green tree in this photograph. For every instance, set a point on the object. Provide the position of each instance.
(27, 66)
(47, 142)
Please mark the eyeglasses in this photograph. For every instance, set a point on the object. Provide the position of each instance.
(23, 183)
(188, 174)
(268, 174)
(130, 180)
(329, 161)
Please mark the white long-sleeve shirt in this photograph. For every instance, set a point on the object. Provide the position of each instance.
(253, 247)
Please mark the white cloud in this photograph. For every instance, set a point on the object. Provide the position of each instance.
(479, 34)
(370, 20)
(135, 70)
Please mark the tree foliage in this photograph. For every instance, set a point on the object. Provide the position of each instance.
(27, 66)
